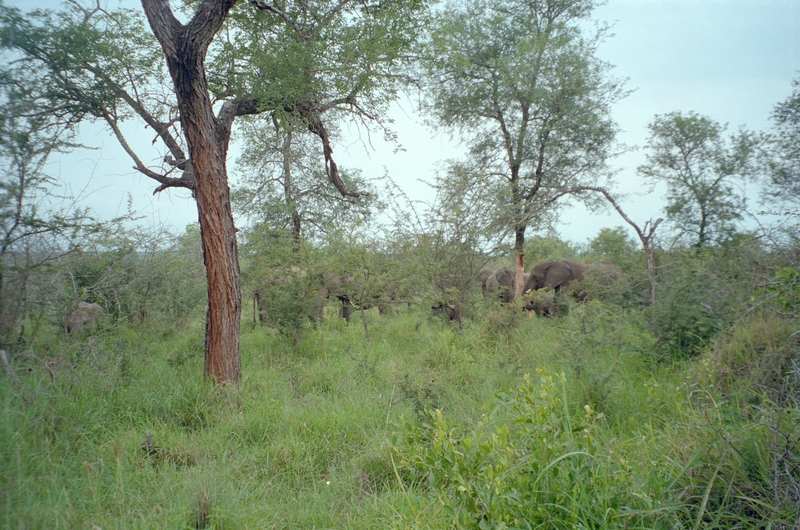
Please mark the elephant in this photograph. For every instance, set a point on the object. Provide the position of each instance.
(291, 291)
(85, 314)
(483, 277)
(542, 303)
(340, 287)
(364, 292)
(560, 275)
(600, 281)
(502, 282)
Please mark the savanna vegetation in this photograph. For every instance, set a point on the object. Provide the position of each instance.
(666, 399)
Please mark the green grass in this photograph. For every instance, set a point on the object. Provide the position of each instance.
(423, 426)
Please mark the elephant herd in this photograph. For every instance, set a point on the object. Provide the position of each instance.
(548, 280)
(296, 289)
(542, 287)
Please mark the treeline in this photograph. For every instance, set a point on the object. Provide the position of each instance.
(155, 279)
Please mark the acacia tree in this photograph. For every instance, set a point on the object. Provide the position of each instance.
(521, 83)
(701, 169)
(89, 64)
(344, 60)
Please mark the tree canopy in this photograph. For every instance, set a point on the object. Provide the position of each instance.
(293, 63)
(702, 170)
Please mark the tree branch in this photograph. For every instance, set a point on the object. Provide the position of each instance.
(263, 6)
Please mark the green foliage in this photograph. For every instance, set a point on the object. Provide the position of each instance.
(783, 151)
(309, 66)
(288, 284)
(283, 185)
(701, 293)
(304, 439)
(445, 246)
(540, 249)
(614, 245)
(529, 461)
(84, 65)
(522, 85)
(603, 344)
(786, 287)
(738, 462)
(38, 222)
(139, 275)
(756, 357)
(316, 52)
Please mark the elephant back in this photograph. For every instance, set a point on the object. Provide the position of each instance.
(483, 277)
(601, 281)
(86, 313)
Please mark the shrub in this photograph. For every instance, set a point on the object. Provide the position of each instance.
(699, 293)
(529, 462)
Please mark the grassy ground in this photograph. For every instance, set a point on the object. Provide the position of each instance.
(508, 423)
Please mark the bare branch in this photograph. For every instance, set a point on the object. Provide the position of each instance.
(317, 127)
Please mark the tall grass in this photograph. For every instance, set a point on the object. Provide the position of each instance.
(521, 423)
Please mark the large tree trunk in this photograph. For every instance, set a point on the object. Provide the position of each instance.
(222, 359)
(185, 48)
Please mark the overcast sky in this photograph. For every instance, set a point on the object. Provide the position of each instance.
(731, 60)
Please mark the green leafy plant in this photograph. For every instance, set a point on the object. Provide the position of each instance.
(529, 461)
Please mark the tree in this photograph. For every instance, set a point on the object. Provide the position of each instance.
(521, 83)
(701, 169)
(614, 245)
(207, 136)
(646, 234)
(449, 240)
(37, 225)
(282, 189)
(306, 60)
(89, 64)
(783, 164)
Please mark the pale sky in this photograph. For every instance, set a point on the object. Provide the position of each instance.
(731, 60)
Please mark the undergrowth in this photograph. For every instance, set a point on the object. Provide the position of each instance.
(542, 423)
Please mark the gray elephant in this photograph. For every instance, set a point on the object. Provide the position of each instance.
(556, 275)
(501, 283)
(601, 280)
(561, 275)
(483, 277)
(342, 288)
(542, 303)
(86, 314)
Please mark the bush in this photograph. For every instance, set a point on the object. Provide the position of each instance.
(759, 355)
(700, 293)
(529, 462)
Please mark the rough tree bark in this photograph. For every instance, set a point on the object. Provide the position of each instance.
(208, 136)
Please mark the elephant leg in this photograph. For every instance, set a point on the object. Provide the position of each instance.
(347, 308)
